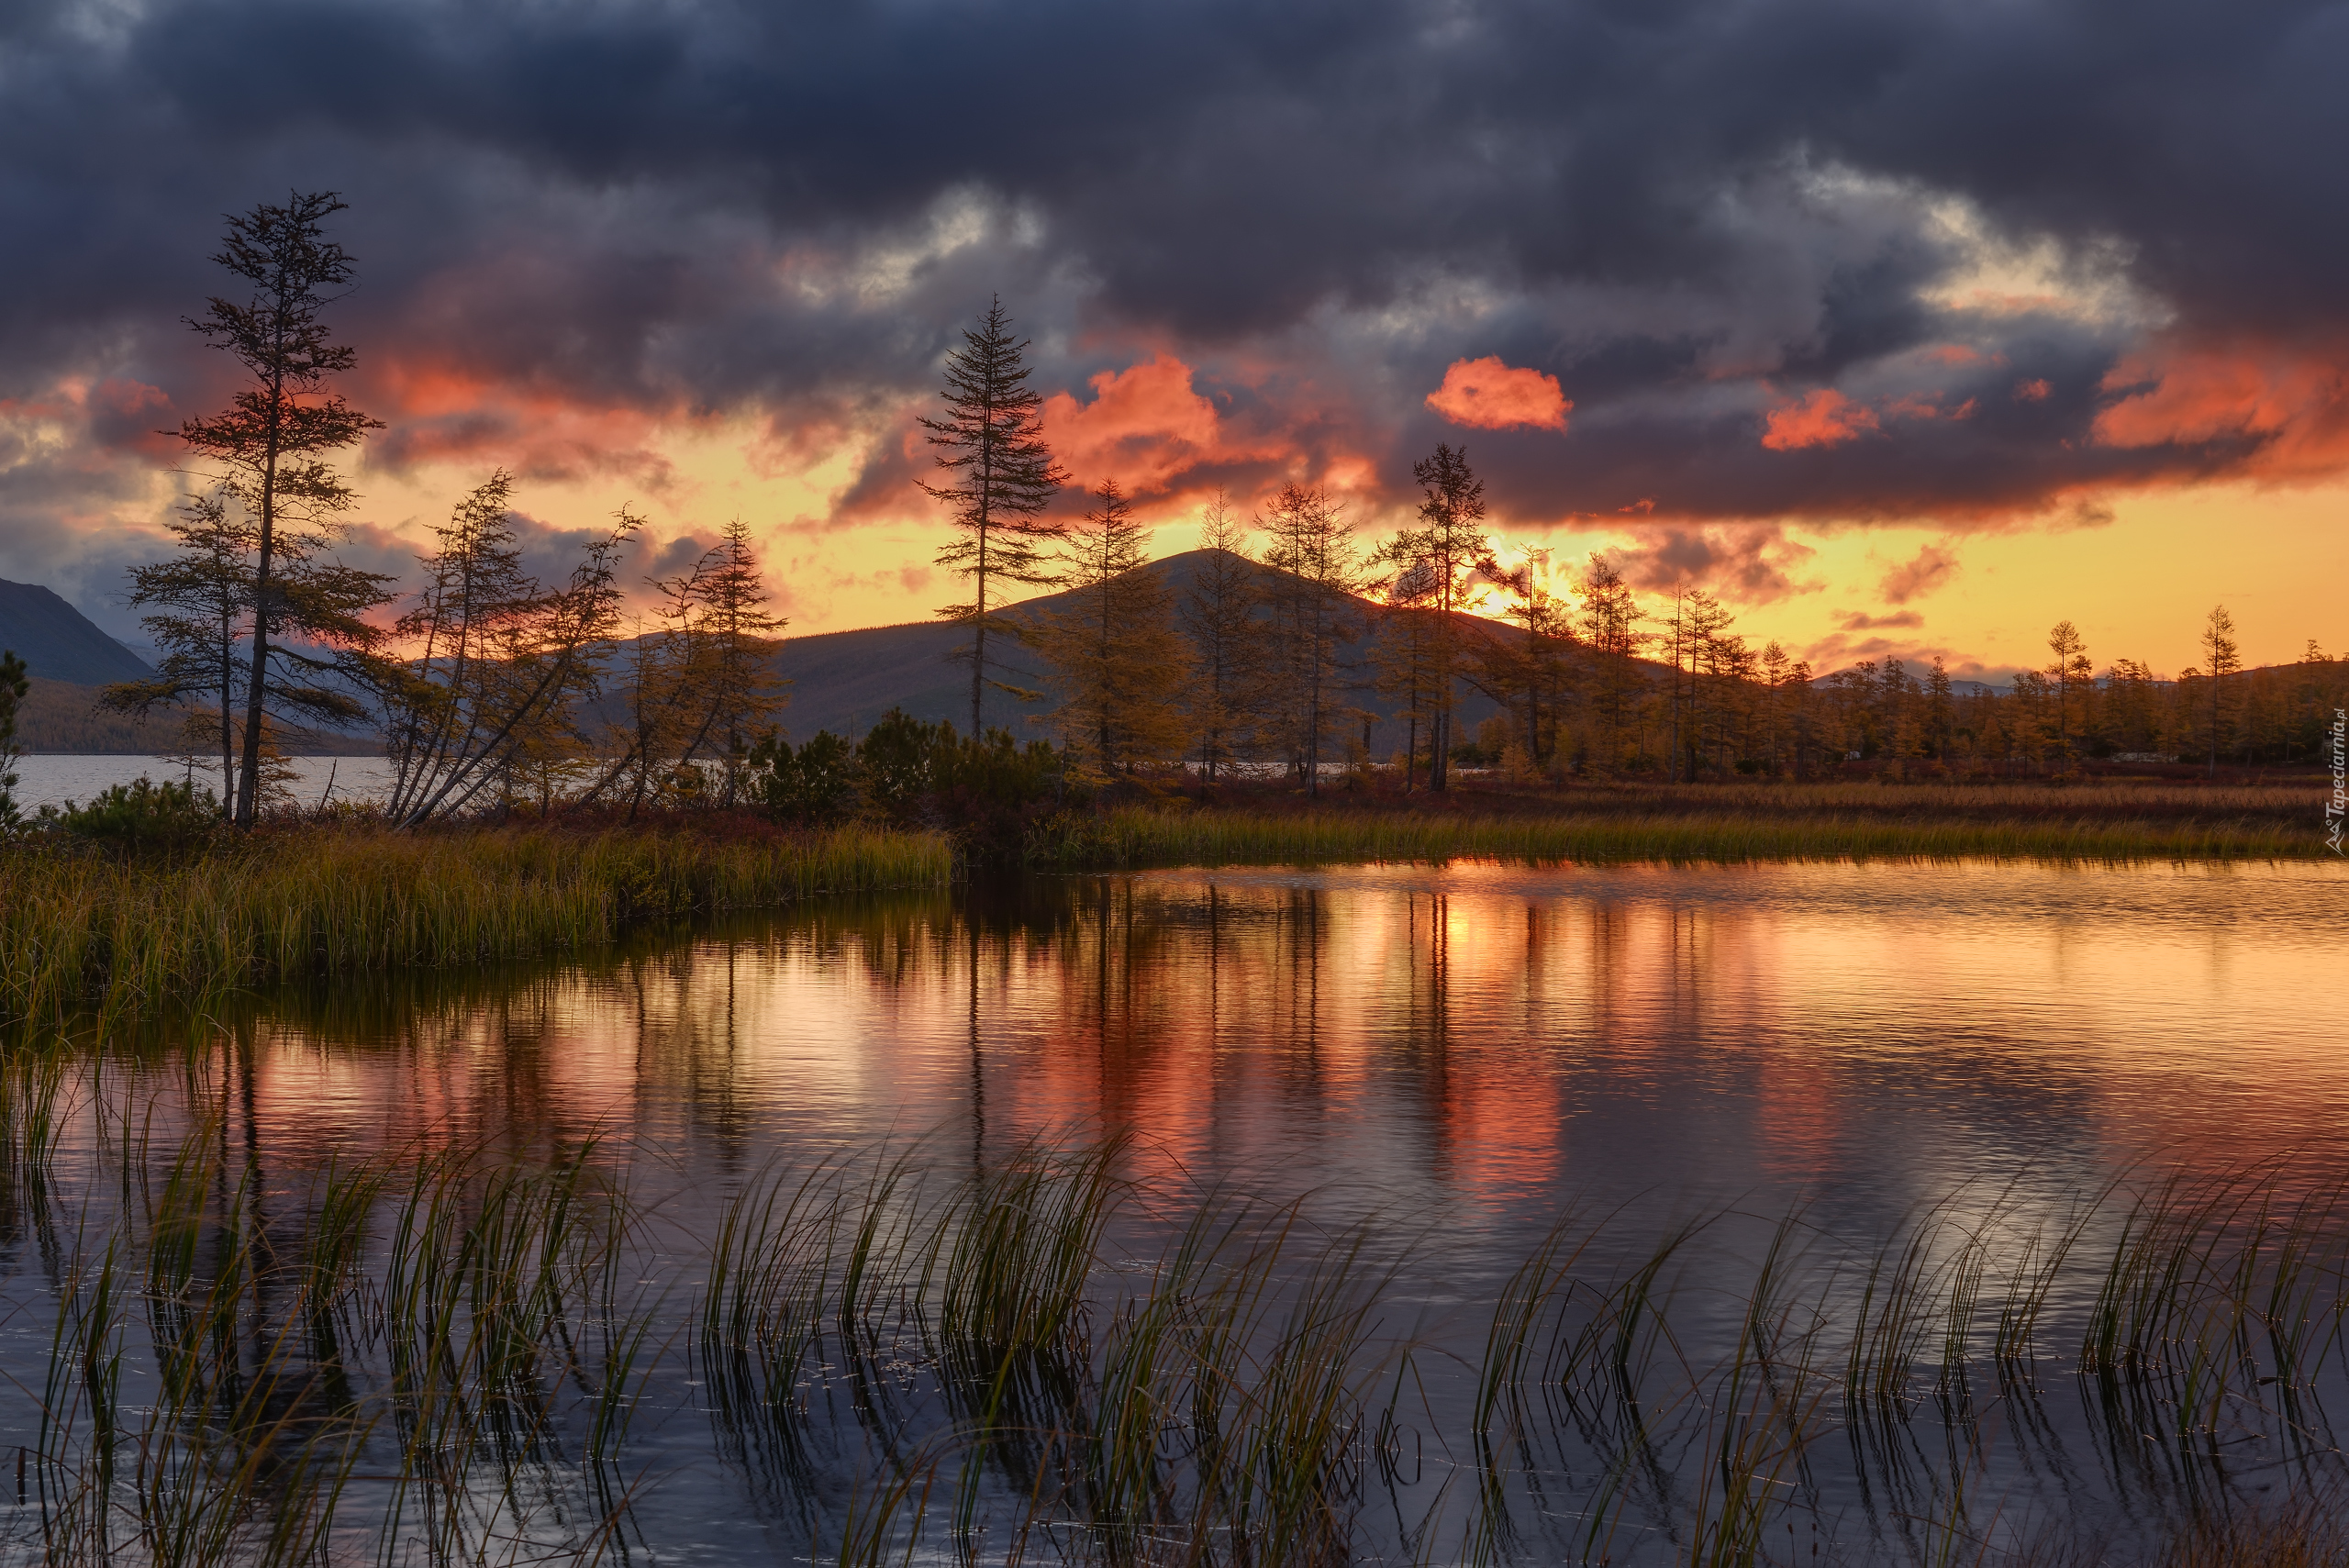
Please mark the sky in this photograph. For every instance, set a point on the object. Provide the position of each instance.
(1904, 330)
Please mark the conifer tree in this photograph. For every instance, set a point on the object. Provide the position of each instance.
(717, 667)
(1611, 622)
(1941, 712)
(1403, 663)
(1449, 544)
(1312, 604)
(1002, 477)
(271, 437)
(1117, 662)
(2220, 658)
(1530, 675)
(324, 661)
(496, 663)
(2070, 670)
(1218, 617)
(14, 684)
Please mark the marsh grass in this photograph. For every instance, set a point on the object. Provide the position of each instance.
(1735, 834)
(444, 1356)
(80, 929)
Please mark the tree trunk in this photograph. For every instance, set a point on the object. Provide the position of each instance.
(249, 785)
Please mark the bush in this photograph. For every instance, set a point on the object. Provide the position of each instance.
(814, 786)
(896, 765)
(988, 792)
(144, 815)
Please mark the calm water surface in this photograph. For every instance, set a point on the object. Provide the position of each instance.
(55, 779)
(1447, 1060)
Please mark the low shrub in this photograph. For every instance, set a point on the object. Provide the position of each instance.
(988, 792)
(143, 816)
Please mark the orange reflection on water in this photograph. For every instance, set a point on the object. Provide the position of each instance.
(1502, 1032)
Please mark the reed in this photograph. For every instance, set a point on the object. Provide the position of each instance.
(1140, 837)
(83, 928)
(467, 1331)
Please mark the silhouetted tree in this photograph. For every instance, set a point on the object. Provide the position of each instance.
(496, 659)
(1610, 626)
(1003, 477)
(716, 667)
(2220, 658)
(1449, 544)
(1312, 604)
(1116, 663)
(2068, 672)
(270, 437)
(1219, 615)
(323, 661)
(14, 684)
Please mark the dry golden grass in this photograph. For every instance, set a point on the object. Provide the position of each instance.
(79, 929)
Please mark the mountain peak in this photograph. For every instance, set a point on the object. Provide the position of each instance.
(58, 643)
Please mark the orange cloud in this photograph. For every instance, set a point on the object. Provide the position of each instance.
(2033, 391)
(1933, 567)
(2294, 405)
(444, 412)
(1954, 354)
(1143, 426)
(1487, 395)
(1824, 419)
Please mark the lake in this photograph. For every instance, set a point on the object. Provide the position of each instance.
(49, 779)
(1833, 1179)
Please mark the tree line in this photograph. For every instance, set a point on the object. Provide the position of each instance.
(1294, 638)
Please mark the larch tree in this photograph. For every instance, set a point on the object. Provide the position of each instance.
(273, 437)
(719, 674)
(1610, 628)
(1402, 659)
(1311, 603)
(13, 683)
(1941, 711)
(2068, 672)
(1530, 676)
(2220, 658)
(1116, 663)
(324, 665)
(1218, 617)
(1447, 546)
(495, 662)
(197, 603)
(1001, 476)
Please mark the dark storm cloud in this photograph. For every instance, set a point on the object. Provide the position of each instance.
(1689, 213)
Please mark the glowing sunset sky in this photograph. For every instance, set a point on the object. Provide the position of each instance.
(1906, 329)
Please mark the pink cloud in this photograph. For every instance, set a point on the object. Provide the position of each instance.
(1144, 427)
(1913, 578)
(1487, 395)
(1824, 419)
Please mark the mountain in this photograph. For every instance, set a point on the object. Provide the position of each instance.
(58, 643)
(843, 681)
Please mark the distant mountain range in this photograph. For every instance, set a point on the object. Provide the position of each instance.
(58, 643)
(841, 681)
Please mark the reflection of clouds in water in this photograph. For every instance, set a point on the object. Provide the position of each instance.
(1484, 1036)
(1905, 1053)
